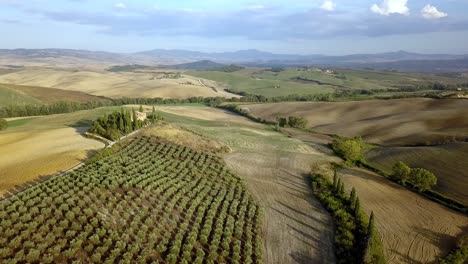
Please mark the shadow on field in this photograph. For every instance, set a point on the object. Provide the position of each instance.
(301, 258)
(22, 187)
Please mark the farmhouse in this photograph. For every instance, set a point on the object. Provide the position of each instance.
(140, 116)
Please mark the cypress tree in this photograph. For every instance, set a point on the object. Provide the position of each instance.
(371, 226)
(335, 180)
(342, 189)
(338, 186)
(141, 109)
(135, 121)
(121, 124)
(352, 197)
(357, 207)
(153, 115)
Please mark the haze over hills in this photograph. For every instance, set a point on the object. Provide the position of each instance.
(400, 60)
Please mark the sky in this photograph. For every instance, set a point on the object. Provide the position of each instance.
(332, 27)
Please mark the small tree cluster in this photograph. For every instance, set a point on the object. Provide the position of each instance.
(292, 121)
(350, 149)
(422, 179)
(114, 125)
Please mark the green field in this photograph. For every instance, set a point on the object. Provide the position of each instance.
(12, 97)
(306, 81)
(19, 122)
(267, 87)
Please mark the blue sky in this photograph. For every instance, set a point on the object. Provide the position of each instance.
(293, 26)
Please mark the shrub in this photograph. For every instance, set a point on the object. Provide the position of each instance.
(401, 172)
(350, 149)
(3, 124)
(422, 179)
(297, 122)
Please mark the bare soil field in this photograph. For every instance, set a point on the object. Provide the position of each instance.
(297, 227)
(115, 84)
(413, 229)
(393, 124)
(27, 155)
(448, 162)
(390, 122)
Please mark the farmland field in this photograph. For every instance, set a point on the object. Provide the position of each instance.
(297, 228)
(9, 96)
(390, 122)
(29, 145)
(306, 81)
(399, 126)
(149, 201)
(448, 162)
(267, 87)
(413, 229)
(116, 85)
(49, 95)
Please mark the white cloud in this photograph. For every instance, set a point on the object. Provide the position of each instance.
(120, 5)
(388, 7)
(328, 5)
(431, 12)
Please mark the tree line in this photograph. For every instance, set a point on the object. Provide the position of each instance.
(356, 237)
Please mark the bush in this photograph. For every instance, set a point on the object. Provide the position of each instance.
(422, 179)
(3, 124)
(401, 172)
(297, 122)
(349, 149)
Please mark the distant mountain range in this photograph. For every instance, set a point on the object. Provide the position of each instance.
(400, 60)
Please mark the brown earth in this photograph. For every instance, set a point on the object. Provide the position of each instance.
(393, 124)
(447, 162)
(27, 155)
(390, 122)
(413, 228)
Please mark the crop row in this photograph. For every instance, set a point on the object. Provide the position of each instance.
(149, 202)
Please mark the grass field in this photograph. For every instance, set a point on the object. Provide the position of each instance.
(116, 85)
(11, 97)
(314, 80)
(51, 95)
(267, 87)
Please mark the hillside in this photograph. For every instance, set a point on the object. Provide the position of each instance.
(400, 60)
(49, 95)
(413, 130)
(154, 83)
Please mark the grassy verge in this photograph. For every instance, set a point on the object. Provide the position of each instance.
(356, 239)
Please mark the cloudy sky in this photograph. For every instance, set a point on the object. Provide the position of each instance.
(292, 26)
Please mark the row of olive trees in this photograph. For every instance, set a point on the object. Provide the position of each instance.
(420, 178)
